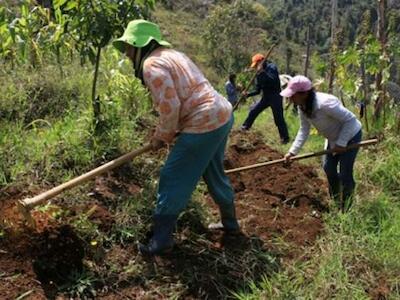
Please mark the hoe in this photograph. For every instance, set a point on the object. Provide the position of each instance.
(303, 156)
(25, 206)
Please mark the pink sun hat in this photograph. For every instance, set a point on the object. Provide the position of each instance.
(298, 83)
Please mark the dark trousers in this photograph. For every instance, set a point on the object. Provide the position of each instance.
(341, 182)
(275, 102)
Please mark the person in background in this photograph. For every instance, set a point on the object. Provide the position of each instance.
(267, 82)
(194, 117)
(232, 89)
(337, 124)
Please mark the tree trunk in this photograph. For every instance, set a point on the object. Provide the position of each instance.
(96, 100)
(365, 92)
(333, 43)
(307, 62)
(334, 19)
(289, 54)
(398, 122)
(381, 34)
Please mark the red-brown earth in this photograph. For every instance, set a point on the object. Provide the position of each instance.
(279, 208)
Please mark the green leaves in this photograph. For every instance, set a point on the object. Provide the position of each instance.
(93, 23)
(34, 31)
(366, 54)
(231, 31)
(349, 56)
(85, 26)
(58, 3)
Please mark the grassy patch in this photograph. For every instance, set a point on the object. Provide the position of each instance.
(358, 256)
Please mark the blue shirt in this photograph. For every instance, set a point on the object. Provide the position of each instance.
(267, 81)
(231, 92)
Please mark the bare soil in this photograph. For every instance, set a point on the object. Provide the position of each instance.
(279, 209)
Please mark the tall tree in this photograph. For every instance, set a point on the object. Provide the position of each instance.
(307, 62)
(93, 23)
(362, 40)
(230, 32)
(334, 25)
(311, 23)
(381, 35)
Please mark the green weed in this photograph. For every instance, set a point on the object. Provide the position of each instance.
(81, 285)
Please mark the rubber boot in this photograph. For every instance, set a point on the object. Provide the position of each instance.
(347, 198)
(162, 240)
(228, 223)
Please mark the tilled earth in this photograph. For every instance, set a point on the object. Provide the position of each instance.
(279, 208)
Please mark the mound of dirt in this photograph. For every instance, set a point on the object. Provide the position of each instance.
(278, 200)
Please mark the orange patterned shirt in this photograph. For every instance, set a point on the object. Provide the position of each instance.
(183, 97)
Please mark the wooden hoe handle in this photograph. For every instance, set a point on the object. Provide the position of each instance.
(252, 79)
(29, 203)
(303, 156)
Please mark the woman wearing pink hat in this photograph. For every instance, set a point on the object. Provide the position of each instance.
(337, 124)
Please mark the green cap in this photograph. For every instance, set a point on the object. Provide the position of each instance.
(138, 34)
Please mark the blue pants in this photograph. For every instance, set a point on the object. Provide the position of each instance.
(275, 102)
(194, 156)
(346, 163)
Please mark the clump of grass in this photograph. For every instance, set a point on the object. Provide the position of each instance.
(81, 285)
(45, 152)
(59, 143)
(132, 219)
(385, 160)
(44, 93)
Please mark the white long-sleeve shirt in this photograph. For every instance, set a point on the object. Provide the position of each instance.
(332, 120)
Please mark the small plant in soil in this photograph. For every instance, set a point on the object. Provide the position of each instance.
(81, 285)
